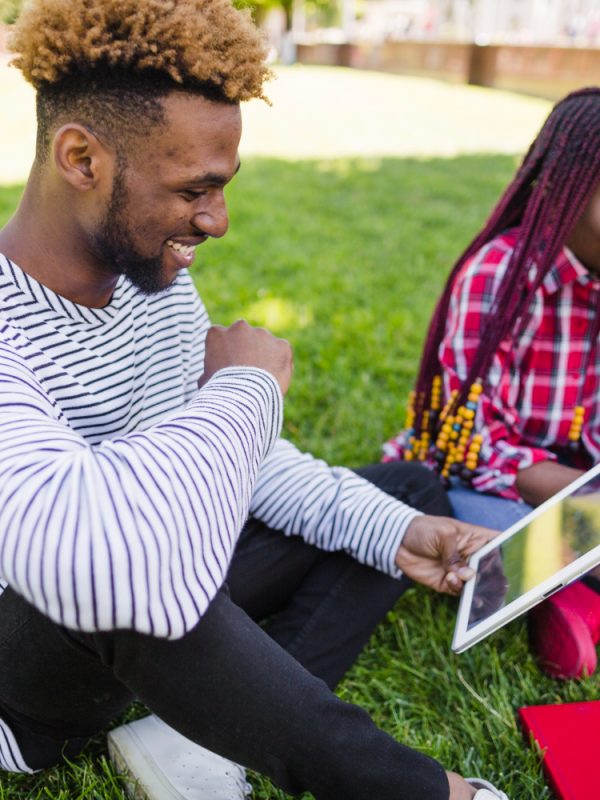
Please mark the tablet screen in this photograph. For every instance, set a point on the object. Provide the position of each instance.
(554, 538)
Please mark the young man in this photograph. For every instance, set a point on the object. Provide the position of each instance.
(135, 441)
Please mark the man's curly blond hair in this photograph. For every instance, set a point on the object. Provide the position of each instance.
(191, 41)
(108, 64)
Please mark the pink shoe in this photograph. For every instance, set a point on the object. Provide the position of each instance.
(564, 631)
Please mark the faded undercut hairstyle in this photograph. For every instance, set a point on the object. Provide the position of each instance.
(107, 64)
(545, 199)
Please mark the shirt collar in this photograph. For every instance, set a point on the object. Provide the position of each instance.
(566, 269)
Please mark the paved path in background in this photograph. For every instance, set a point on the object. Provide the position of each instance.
(17, 133)
(321, 112)
(329, 112)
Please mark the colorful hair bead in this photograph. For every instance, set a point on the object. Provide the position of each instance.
(576, 427)
(409, 427)
(473, 451)
(423, 445)
(454, 428)
(436, 396)
(448, 407)
(410, 412)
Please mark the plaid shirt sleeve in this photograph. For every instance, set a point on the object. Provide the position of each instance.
(503, 451)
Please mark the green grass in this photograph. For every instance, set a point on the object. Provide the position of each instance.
(346, 258)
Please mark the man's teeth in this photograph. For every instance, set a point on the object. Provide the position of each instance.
(181, 248)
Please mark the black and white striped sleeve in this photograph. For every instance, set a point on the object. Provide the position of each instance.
(138, 531)
(330, 507)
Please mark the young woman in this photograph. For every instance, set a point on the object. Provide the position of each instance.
(507, 400)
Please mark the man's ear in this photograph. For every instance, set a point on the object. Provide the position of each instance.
(80, 157)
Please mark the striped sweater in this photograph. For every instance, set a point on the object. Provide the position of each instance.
(123, 488)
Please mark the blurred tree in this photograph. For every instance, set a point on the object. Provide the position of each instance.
(9, 10)
(261, 7)
(329, 8)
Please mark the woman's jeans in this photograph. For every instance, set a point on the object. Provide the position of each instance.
(257, 695)
(485, 509)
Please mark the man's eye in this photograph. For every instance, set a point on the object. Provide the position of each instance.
(190, 195)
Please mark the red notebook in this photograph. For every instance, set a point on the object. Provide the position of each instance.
(570, 735)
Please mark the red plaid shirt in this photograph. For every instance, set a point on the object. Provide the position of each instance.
(537, 383)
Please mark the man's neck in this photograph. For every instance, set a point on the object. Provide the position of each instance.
(48, 249)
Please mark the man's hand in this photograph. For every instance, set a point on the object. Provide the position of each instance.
(459, 788)
(434, 551)
(241, 345)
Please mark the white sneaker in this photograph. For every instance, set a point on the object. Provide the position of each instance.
(161, 764)
(486, 790)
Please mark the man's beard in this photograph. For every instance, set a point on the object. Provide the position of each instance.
(113, 244)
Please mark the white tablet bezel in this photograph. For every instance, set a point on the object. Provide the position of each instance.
(465, 637)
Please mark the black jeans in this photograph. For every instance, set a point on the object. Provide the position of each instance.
(228, 684)
(322, 607)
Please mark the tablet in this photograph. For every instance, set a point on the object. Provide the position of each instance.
(555, 544)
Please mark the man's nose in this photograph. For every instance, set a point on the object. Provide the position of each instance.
(213, 220)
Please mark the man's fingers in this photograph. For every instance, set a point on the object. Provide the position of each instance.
(434, 552)
(453, 554)
(241, 345)
(453, 583)
(455, 579)
(449, 551)
(472, 537)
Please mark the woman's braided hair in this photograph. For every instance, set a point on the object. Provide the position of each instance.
(546, 197)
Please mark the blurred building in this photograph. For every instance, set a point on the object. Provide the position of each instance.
(540, 47)
(528, 22)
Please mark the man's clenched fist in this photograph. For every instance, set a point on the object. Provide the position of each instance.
(241, 345)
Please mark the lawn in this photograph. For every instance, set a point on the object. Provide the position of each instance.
(345, 257)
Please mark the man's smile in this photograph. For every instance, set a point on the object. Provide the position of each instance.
(184, 250)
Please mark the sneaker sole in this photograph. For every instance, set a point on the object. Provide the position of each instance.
(129, 757)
